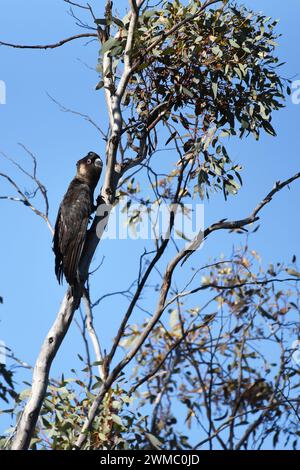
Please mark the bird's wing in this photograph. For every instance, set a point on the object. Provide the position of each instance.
(56, 247)
(70, 230)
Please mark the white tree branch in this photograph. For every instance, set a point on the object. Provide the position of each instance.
(92, 332)
(52, 342)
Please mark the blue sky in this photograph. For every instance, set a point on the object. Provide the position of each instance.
(27, 282)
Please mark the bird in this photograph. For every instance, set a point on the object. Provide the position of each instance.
(73, 218)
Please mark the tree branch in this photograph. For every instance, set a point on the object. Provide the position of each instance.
(77, 5)
(92, 332)
(52, 342)
(49, 46)
(24, 199)
(128, 49)
(237, 224)
(86, 117)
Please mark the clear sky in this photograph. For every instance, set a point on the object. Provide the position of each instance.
(27, 282)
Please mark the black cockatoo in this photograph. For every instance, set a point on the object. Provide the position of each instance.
(73, 218)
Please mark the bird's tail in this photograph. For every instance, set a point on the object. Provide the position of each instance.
(75, 291)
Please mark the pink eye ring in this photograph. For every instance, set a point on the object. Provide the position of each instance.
(89, 161)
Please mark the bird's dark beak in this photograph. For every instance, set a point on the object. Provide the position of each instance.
(98, 162)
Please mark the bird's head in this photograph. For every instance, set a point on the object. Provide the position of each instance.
(89, 168)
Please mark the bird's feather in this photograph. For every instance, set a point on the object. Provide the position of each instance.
(70, 229)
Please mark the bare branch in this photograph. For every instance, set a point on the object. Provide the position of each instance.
(49, 46)
(238, 224)
(229, 287)
(152, 373)
(50, 346)
(126, 293)
(92, 332)
(128, 49)
(86, 117)
(24, 199)
(76, 4)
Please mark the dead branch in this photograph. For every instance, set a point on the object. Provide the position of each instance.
(84, 7)
(25, 200)
(49, 46)
(86, 117)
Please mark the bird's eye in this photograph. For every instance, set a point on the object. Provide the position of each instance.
(89, 161)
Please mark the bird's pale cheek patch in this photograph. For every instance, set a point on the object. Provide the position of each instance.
(82, 170)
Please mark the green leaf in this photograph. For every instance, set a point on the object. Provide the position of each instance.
(293, 272)
(233, 43)
(109, 44)
(154, 441)
(182, 235)
(148, 13)
(238, 72)
(174, 319)
(24, 394)
(101, 21)
(99, 85)
(117, 419)
(268, 128)
(217, 51)
(187, 92)
(118, 22)
(215, 89)
(171, 138)
(97, 363)
(264, 313)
